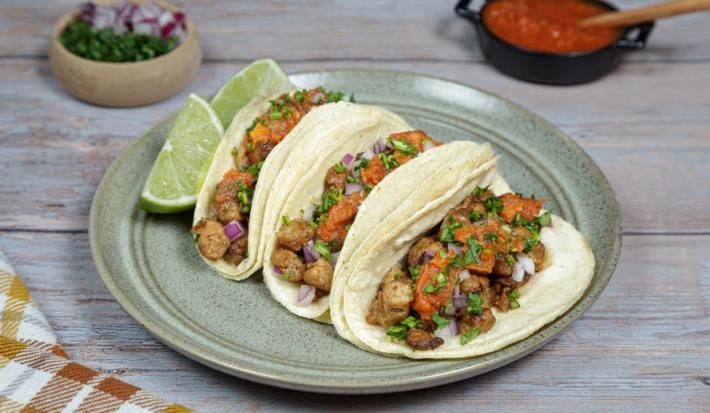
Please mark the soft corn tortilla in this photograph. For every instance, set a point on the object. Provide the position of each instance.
(568, 271)
(279, 169)
(359, 127)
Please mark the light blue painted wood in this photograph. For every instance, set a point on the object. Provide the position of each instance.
(645, 345)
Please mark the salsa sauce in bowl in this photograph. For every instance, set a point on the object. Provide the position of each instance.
(549, 26)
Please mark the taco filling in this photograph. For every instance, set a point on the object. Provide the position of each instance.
(477, 258)
(307, 249)
(224, 234)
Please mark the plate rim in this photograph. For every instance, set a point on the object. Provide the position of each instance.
(176, 342)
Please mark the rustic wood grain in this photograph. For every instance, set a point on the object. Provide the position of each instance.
(648, 335)
(326, 30)
(645, 346)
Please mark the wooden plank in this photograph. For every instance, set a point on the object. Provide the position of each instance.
(645, 345)
(370, 29)
(646, 126)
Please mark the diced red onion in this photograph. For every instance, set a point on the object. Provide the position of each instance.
(454, 248)
(388, 147)
(428, 144)
(379, 147)
(457, 289)
(448, 331)
(348, 160)
(310, 254)
(234, 230)
(452, 327)
(144, 18)
(463, 275)
(352, 188)
(306, 294)
(368, 154)
(425, 257)
(459, 301)
(277, 271)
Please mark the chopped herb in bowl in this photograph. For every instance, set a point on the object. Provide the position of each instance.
(123, 33)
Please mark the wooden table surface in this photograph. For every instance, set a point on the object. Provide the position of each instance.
(644, 346)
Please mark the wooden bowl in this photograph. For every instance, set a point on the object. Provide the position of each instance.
(125, 84)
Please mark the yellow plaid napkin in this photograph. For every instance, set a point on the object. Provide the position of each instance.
(36, 376)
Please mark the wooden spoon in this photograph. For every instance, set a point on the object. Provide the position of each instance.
(646, 13)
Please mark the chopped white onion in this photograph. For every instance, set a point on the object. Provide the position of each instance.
(454, 248)
(463, 275)
(368, 154)
(352, 188)
(446, 332)
(306, 294)
(528, 264)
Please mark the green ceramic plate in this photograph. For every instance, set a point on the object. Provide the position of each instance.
(150, 264)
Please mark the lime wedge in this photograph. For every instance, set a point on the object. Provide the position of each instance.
(182, 164)
(262, 77)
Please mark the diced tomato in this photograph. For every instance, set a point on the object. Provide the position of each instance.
(259, 134)
(374, 172)
(340, 215)
(427, 303)
(486, 261)
(487, 256)
(514, 204)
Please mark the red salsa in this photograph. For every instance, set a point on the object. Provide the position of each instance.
(548, 25)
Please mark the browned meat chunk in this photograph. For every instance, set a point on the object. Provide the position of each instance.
(503, 301)
(537, 254)
(501, 267)
(212, 242)
(290, 265)
(426, 245)
(230, 211)
(484, 322)
(481, 198)
(334, 180)
(477, 210)
(237, 251)
(474, 283)
(460, 214)
(392, 303)
(319, 274)
(419, 339)
(294, 235)
(261, 151)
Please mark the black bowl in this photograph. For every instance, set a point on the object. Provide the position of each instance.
(554, 68)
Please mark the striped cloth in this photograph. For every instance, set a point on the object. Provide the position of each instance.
(36, 376)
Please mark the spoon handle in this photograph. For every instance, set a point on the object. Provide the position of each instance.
(646, 13)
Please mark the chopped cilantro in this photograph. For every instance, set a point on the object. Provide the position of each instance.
(442, 253)
(276, 115)
(252, 169)
(479, 190)
(389, 161)
(440, 321)
(339, 167)
(509, 259)
(235, 151)
(334, 96)
(544, 219)
(415, 271)
(440, 278)
(399, 331)
(475, 216)
(243, 194)
(403, 146)
(322, 248)
(531, 242)
(472, 254)
(285, 219)
(470, 335)
(368, 188)
(352, 98)
(491, 236)
(352, 179)
(493, 205)
(513, 296)
(430, 289)
(474, 304)
(448, 229)
(300, 95)
(397, 275)
(313, 224)
(362, 164)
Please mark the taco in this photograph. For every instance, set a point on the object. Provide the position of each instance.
(231, 205)
(317, 234)
(461, 274)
